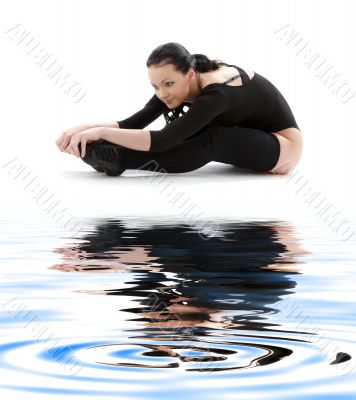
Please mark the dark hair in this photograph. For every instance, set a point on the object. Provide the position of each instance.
(176, 54)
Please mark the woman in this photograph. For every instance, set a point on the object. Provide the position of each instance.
(213, 111)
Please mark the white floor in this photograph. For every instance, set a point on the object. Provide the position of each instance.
(68, 194)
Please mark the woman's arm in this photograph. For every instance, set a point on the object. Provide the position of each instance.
(208, 105)
(136, 139)
(111, 124)
(151, 111)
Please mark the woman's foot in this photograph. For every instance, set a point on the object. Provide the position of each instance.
(103, 156)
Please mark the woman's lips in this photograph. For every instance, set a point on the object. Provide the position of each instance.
(169, 101)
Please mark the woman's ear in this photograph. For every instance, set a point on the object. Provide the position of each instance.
(192, 73)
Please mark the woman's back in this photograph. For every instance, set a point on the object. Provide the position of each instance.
(223, 74)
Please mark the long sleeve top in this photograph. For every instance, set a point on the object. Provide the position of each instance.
(256, 104)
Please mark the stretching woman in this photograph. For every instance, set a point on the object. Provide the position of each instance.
(214, 112)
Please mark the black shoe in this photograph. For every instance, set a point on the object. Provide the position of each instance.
(90, 157)
(103, 157)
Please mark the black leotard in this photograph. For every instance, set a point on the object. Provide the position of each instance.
(257, 103)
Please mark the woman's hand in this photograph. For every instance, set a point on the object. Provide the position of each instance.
(83, 137)
(66, 136)
(64, 140)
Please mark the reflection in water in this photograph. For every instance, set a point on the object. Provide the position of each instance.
(196, 296)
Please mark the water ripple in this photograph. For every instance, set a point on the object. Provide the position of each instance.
(243, 312)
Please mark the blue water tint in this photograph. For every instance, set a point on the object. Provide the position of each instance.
(261, 309)
(58, 390)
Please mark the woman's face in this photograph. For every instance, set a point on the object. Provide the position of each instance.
(170, 84)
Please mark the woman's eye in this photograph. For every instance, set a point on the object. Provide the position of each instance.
(155, 88)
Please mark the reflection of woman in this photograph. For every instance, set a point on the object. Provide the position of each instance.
(234, 116)
(182, 280)
(198, 302)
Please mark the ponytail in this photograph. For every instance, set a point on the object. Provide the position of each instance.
(202, 63)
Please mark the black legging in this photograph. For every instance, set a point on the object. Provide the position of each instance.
(243, 147)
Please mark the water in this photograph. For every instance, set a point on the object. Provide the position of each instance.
(132, 309)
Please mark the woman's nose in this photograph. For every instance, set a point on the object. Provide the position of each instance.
(163, 95)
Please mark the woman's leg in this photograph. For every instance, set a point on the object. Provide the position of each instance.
(243, 147)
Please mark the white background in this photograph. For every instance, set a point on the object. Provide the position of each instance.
(104, 45)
